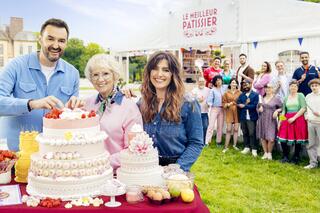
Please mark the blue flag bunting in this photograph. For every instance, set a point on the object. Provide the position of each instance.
(300, 40)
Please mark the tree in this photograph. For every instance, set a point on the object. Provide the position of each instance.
(315, 1)
(77, 54)
(136, 67)
(73, 52)
(90, 50)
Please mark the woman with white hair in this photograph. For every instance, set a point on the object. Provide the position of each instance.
(117, 113)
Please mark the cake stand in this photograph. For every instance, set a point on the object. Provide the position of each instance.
(113, 202)
(112, 189)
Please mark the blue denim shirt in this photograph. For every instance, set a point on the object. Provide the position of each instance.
(214, 98)
(22, 80)
(184, 139)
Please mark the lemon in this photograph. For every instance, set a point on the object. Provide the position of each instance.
(187, 195)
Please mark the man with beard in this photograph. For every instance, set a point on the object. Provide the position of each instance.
(305, 74)
(33, 83)
(244, 72)
(247, 107)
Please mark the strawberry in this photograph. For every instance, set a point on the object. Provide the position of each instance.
(83, 116)
(56, 203)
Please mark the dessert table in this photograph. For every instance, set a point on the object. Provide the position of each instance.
(197, 206)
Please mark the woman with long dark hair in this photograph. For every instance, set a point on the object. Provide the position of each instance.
(170, 118)
(229, 103)
(263, 78)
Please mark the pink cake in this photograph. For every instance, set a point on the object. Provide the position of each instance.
(72, 161)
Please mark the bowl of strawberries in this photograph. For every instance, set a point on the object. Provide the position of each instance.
(7, 161)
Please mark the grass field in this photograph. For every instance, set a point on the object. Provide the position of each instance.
(233, 182)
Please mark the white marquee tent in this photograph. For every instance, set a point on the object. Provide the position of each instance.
(266, 30)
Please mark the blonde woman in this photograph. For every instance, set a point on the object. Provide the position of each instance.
(117, 113)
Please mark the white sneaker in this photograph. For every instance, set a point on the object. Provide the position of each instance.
(265, 156)
(310, 166)
(225, 150)
(235, 147)
(245, 151)
(269, 156)
(254, 153)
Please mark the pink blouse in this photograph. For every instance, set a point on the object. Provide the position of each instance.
(261, 82)
(116, 122)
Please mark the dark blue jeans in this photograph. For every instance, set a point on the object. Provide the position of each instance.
(205, 123)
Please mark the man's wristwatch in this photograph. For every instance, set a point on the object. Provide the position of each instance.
(28, 104)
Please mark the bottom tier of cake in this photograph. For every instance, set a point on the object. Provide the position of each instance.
(69, 188)
(150, 178)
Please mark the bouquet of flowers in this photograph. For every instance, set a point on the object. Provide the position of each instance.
(7, 160)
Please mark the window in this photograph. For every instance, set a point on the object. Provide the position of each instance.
(1, 49)
(291, 59)
(1, 61)
(29, 49)
(21, 50)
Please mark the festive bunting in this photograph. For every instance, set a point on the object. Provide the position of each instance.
(255, 44)
(300, 40)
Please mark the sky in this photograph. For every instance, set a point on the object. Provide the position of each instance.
(106, 22)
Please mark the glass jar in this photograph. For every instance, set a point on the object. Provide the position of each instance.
(134, 194)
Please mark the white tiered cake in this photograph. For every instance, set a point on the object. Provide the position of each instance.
(72, 161)
(139, 164)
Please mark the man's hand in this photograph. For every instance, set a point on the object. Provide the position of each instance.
(248, 101)
(49, 102)
(241, 105)
(128, 93)
(74, 102)
(303, 77)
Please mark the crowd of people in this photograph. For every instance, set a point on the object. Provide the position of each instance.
(269, 106)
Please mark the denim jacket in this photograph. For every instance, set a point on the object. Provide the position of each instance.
(214, 98)
(183, 140)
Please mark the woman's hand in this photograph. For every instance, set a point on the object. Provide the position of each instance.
(275, 114)
(291, 120)
(260, 109)
(75, 102)
(241, 105)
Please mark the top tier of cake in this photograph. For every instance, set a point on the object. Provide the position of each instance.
(57, 123)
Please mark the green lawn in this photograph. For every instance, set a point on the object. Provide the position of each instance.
(233, 182)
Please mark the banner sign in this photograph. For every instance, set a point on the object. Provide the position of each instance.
(200, 23)
(213, 22)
